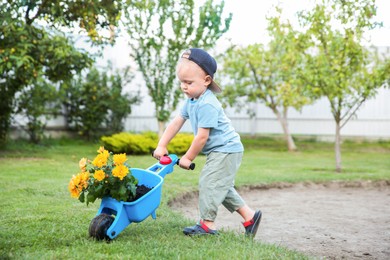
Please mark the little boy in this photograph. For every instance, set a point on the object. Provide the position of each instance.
(215, 137)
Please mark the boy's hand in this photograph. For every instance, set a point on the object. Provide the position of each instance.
(185, 163)
(160, 152)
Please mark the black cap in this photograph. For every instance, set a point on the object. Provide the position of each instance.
(207, 63)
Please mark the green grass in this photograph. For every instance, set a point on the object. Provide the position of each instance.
(39, 220)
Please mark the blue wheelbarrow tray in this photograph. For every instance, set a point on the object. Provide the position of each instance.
(136, 211)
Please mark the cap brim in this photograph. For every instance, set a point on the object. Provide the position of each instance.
(214, 87)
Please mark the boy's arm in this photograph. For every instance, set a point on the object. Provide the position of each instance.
(170, 132)
(196, 147)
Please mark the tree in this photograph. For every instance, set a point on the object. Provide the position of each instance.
(158, 32)
(32, 48)
(268, 74)
(338, 66)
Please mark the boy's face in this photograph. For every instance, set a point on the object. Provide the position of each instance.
(193, 80)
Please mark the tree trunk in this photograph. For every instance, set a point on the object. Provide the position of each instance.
(112, 33)
(161, 128)
(287, 136)
(6, 109)
(253, 120)
(337, 147)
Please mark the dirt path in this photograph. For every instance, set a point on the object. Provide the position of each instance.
(332, 220)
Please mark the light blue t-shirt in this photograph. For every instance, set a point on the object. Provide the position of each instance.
(207, 112)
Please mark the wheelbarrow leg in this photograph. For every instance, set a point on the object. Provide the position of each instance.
(153, 214)
(120, 223)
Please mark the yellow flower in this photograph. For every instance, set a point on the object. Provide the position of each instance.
(120, 158)
(78, 183)
(83, 164)
(84, 176)
(101, 159)
(74, 192)
(99, 175)
(120, 171)
(101, 149)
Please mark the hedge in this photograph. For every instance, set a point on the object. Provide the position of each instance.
(144, 143)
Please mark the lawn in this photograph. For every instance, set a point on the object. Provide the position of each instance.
(39, 220)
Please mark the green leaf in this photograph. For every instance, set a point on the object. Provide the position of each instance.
(122, 190)
(91, 198)
(132, 189)
(82, 197)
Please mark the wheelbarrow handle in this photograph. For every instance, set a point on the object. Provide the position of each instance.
(192, 165)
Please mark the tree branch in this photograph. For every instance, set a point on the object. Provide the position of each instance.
(351, 114)
(253, 69)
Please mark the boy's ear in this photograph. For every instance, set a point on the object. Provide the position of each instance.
(208, 80)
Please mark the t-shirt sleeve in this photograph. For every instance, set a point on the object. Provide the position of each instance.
(207, 116)
(184, 111)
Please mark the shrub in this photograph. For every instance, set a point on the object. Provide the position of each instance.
(38, 103)
(96, 103)
(144, 143)
(180, 143)
(129, 143)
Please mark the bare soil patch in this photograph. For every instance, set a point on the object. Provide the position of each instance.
(335, 220)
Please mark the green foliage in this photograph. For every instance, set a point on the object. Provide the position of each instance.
(120, 103)
(30, 52)
(86, 102)
(268, 74)
(96, 103)
(130, 143)
(92, 16)
(29, 56)
(37, 103)
(158, 31)
(180, 143)
(342, 68)
(144, 143)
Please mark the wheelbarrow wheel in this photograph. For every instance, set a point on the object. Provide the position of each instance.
(99, 226)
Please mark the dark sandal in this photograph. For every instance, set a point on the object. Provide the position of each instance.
(199, 229)
(252, 225)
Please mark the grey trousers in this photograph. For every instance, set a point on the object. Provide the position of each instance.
(216, 184)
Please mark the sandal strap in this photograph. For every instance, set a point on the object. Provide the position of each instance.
(204, 227)
(248, 223)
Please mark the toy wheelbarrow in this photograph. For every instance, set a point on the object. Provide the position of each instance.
(114, 216)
